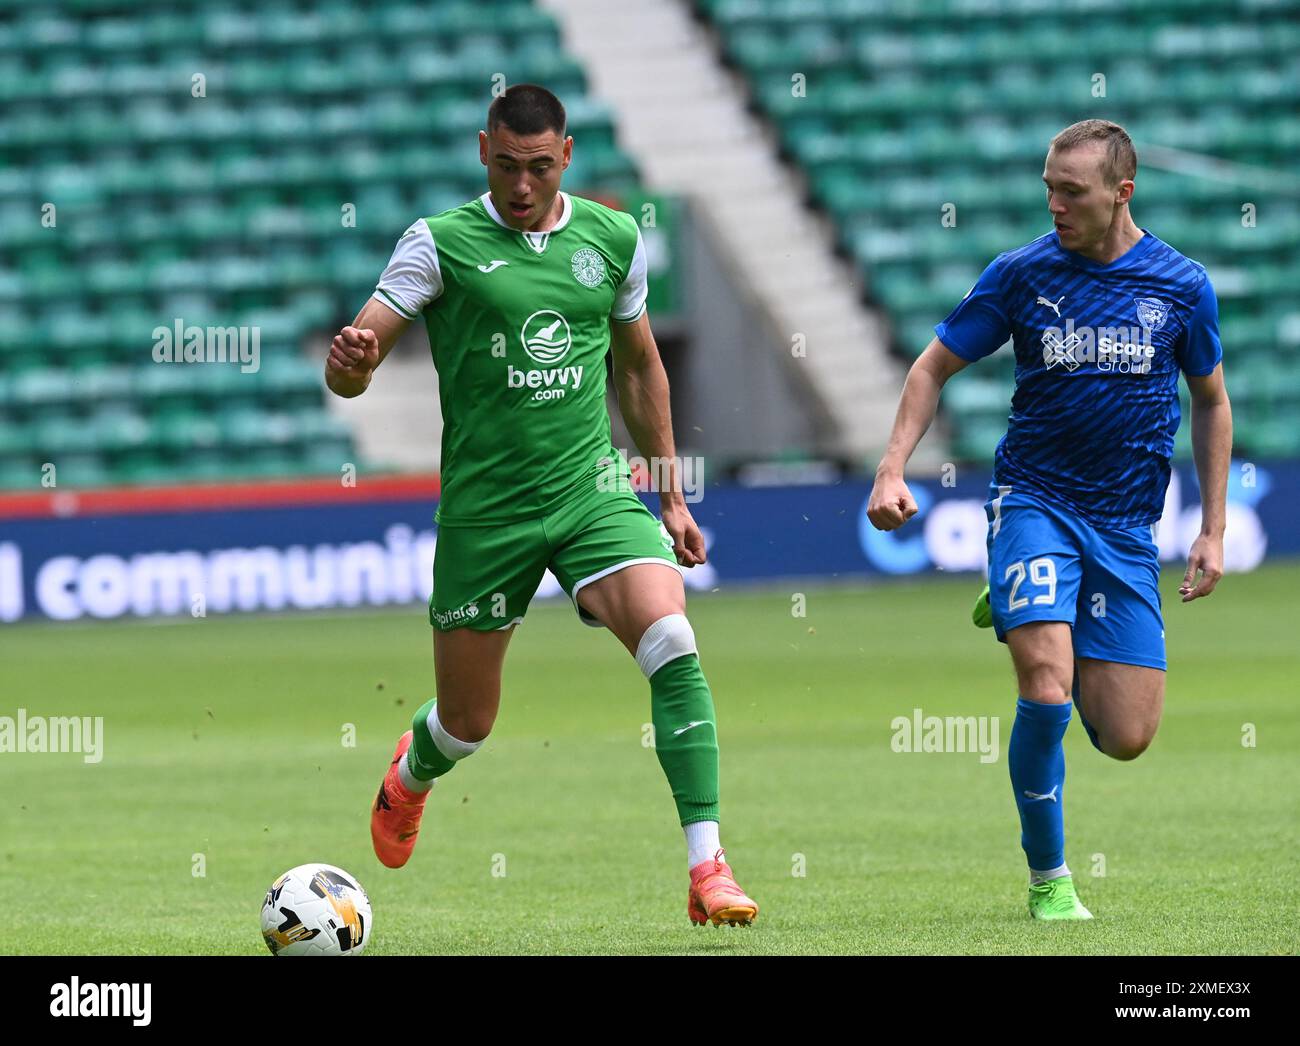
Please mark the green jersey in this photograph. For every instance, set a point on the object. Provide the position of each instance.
(519, 327)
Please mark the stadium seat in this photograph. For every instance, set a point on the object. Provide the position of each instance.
(909, 107)
(225, 210)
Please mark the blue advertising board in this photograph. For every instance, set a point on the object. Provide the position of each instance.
(376, 552)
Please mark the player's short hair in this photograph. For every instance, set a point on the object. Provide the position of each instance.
(527, 109)
(1121, 158)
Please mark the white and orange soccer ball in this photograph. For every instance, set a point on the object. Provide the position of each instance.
(316, 909)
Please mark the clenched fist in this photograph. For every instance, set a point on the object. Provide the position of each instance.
(354, 352)
(891, 503)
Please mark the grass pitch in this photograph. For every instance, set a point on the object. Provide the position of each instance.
(225, 752)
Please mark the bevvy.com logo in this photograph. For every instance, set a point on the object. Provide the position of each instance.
(546, 339)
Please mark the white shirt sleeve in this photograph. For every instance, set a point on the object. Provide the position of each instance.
(629, 301)
(412, 278)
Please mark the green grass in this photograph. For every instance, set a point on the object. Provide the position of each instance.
(223, 737)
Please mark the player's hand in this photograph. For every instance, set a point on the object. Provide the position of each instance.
(688, 542)
(891, 504)
(1205, 558)
(354, 352)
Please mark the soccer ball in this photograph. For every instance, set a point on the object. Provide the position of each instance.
(316, 909)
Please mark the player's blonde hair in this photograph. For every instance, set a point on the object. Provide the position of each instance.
(1121, 158)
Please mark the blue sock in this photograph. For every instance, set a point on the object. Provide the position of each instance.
(1087, 726)
(1037, 763)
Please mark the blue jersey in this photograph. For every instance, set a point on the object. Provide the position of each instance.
(1098, 352)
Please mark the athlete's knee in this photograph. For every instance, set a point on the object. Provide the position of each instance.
(459, 733)
(665, 640)
(1125, 745)
(1125, 718)
(1043, 681)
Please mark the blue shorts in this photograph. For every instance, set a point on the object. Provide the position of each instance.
(1047, 564)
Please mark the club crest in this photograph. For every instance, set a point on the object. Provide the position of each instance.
(1151, 313)
(588, 267)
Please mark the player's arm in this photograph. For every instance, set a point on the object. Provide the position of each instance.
(891, 504)
(642, 387)
(361, 347)
(1200, 356)
(410, 282)
(977, 327)
(1212, 451)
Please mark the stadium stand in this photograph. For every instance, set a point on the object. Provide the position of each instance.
(686, 119)
(199, 159)
(908, 107)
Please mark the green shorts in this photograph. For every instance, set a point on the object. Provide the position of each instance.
(484, 576)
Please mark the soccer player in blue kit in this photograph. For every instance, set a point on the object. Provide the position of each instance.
(1103, 317)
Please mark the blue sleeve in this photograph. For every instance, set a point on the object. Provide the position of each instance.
(979, 325)
(1198, 350)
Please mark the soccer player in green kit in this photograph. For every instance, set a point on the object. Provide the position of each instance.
(524, 290)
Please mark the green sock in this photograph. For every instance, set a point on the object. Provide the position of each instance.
(686, 740)
(423, 758)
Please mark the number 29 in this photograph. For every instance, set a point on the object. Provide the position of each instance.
(1042, 572)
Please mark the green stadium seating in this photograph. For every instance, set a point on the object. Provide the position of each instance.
(225, 210)
(908, 107)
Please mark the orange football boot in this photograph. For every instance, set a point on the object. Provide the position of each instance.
(715, 896)
(395, 817)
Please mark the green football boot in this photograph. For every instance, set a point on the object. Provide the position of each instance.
(982, 613)
(1056, 899)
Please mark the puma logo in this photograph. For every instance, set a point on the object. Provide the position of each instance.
(1055, 306)
(1034, 796)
